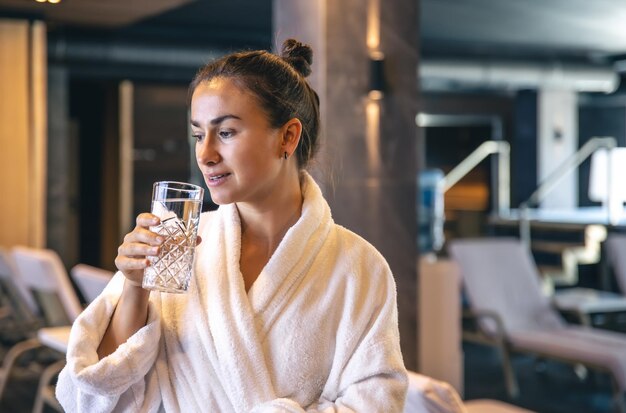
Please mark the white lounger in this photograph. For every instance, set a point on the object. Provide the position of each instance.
(427, 395)
(503, 288)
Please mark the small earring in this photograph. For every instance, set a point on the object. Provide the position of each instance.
(285, 155)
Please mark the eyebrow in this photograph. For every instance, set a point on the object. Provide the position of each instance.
(215, 121)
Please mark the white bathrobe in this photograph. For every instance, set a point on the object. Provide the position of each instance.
(317, 332)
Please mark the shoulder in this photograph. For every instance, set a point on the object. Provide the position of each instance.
(363, 288)
(358, 260)
(358, 248)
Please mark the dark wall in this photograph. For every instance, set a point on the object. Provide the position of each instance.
(161, 146)
(524, 147)
(87, 116)
(599, 116)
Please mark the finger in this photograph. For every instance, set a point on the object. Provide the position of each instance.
(144, 235)
(137, 249)
(147, 219)
(127, 263)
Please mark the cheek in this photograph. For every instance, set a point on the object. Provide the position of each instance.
(197, 151)
(255, 163)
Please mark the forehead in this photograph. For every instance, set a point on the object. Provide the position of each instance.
(222, 93)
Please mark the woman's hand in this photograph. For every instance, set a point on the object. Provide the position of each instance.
(138, 244)
(131, 311)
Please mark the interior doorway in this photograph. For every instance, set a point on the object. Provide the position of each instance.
(448, 140)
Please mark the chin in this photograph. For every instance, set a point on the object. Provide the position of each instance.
(221, 199)
(218, 202)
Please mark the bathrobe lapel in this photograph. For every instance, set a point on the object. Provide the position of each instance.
(238, 322)
(238, 356)
(276, 285)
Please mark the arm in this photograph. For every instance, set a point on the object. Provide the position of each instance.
(132, 309)
(374, 380)
(129, 316)
(123, 378)
(367, 372)
(114, 342)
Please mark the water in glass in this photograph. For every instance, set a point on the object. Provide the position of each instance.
(170, 271)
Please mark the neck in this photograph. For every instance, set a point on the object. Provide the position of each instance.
(266, 224)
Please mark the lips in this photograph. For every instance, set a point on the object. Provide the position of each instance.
(216, 178)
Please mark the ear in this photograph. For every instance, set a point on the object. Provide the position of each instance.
(290, 136)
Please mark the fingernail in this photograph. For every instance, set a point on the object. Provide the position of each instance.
(160, 240)
(154, 250)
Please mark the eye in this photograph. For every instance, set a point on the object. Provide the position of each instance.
(226, 133)
(198, 137)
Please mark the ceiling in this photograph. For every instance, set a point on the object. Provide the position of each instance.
(568, 29)
(532, 30)
(95, 13)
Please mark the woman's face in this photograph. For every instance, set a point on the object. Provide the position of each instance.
(238, 152)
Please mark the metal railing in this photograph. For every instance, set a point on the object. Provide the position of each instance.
(559, 173)
(484, 150)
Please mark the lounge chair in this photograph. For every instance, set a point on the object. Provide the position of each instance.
(19, 313)
(43, 273)
(503, 289)
(426, 394)
(90, 281)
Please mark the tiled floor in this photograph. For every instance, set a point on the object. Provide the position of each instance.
(545, 387)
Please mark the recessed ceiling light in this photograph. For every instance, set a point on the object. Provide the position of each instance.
(54, 1)
(41, 1)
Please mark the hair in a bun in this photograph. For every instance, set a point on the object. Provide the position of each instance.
(279, 84)
(298, 55)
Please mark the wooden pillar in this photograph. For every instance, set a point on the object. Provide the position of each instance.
(367, 165)
(23, 133)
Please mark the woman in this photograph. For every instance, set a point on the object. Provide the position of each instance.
(287, 311)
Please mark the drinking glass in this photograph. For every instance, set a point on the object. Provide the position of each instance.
(178, 205)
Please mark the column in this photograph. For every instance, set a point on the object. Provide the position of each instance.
(557, 141)
(367, 165)
(524, 143)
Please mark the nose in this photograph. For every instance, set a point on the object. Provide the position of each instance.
(206, 152)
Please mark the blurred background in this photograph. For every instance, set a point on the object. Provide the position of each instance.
(442, 120)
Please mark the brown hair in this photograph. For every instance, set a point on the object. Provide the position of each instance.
(279, 83)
